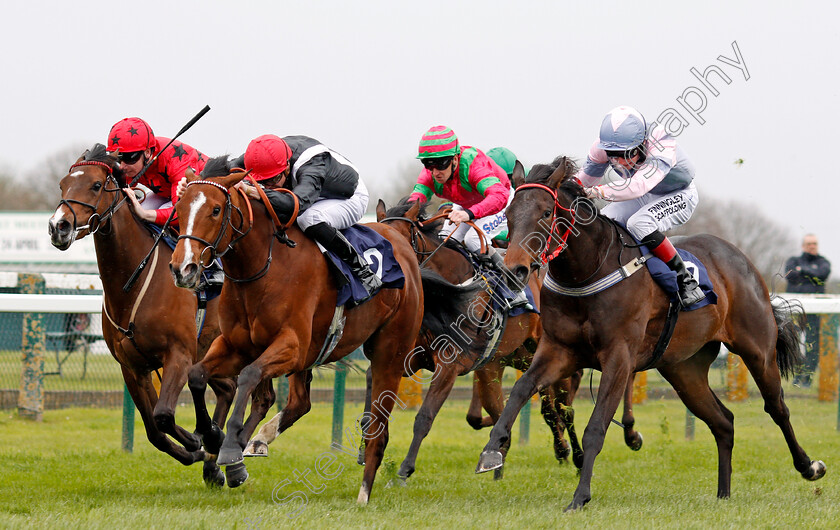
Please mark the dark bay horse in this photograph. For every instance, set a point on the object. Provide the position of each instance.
(276, 309)
(151, 326)
(615, 330)
(515, 349)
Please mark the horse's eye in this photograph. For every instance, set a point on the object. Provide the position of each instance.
(546, 214)
(96, 186)
(216, 210)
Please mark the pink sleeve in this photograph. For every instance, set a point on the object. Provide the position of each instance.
(424, 189)
(594, 167)
(662, 156)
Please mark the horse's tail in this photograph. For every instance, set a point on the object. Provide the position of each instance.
(788, 353)
(447, 304)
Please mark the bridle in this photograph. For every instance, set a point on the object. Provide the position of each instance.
(547, 256)
(213, 248)
(96, 219)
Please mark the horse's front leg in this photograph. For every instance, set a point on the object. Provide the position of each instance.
(548, 366)
(175, 366)
(220, 360)
(279, 358)
(616, 371)
(438, 392)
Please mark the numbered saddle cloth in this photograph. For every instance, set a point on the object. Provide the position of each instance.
(667, 279)
(378, 252)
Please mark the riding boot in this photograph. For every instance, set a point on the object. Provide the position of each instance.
(497, 262)
(661, 247)
(335, 242)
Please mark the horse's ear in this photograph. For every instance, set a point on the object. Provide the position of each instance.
(414, 212)
(518, 175)
(559, 175)
(380, 211)
(190, 174)
(233, 179)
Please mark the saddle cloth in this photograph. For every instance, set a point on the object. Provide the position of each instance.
(667, 279)
(379, 254)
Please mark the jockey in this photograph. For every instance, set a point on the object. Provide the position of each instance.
(136, 144)
(656, 192)
(331, 193)
(478, 187)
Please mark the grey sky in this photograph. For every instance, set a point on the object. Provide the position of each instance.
(368, 78)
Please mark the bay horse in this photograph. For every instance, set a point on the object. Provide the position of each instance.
(151, 326)
(276, 309)
(615, 330)
(515, 349)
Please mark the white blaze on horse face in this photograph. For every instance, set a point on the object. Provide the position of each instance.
(195, 206)
(77, 173)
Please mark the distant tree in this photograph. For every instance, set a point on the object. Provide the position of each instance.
(764, 240)
(38, 189)
(397, 185)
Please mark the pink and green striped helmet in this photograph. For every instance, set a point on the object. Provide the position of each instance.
(439, 141)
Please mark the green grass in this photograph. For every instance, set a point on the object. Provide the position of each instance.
(68, 472)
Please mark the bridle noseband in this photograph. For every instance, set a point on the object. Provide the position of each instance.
(547, 256)
(213, 247)
(95, 220)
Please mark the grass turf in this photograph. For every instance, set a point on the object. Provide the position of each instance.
(68, 471)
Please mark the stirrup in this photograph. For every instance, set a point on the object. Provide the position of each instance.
(690, 296)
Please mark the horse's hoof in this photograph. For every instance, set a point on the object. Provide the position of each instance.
(236, 475)
(575, 505)
(562, 455)
(256, 448)
(228, 457)
(488, 461)
(399, 482)
(498, 473)
(213, 475)
(636, 442)
(815, 471)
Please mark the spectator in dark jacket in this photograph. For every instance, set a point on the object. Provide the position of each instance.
(807, 274)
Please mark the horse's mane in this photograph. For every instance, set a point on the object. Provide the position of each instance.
(570, 186)
(540, 172)
(218, 166)
(99, 153)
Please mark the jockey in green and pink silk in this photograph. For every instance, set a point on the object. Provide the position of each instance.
(478, 187)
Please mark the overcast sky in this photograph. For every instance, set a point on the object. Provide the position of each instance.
(368, 78)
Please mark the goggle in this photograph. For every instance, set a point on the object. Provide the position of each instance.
(437, 163)
(130, 158)
(626, 155)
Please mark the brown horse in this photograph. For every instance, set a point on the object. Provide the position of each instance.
(276, 310)
(615, 330)
(151, 326)
(515, 349)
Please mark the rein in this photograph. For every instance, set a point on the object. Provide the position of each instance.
(545, 257)
(279, 234)
(443, 215)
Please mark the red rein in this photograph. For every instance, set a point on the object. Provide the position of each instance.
(545, 257)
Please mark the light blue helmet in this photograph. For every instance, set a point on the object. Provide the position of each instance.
(622, 129)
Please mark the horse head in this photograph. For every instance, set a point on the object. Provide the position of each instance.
(546, 209)
(205, 210)
(84, 206)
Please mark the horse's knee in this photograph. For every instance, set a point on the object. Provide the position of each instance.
(474, 421)
(164, 419)
(197, 377)
(250, 376)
